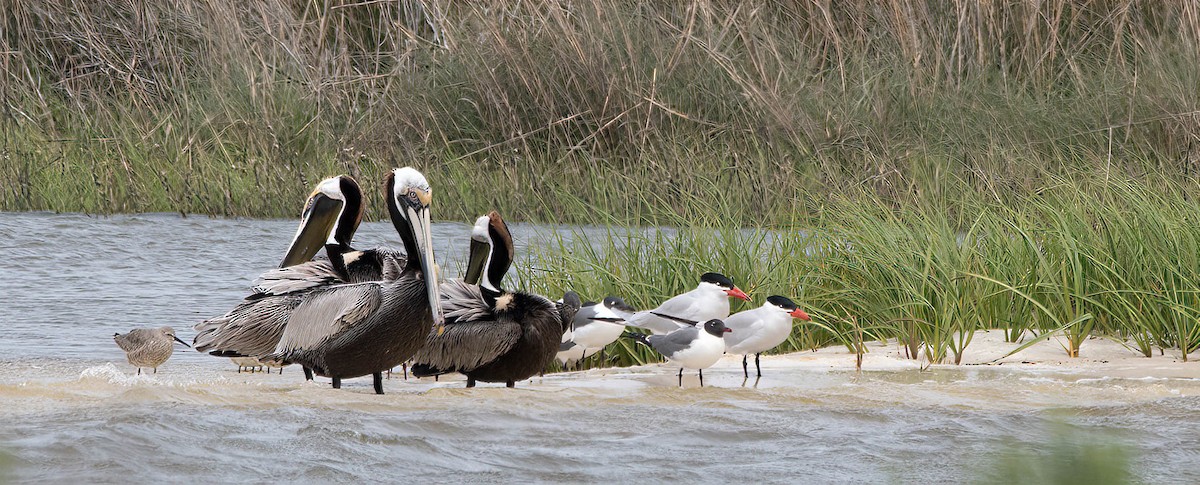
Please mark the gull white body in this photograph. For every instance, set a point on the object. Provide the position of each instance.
(588, 334)
(705, 350)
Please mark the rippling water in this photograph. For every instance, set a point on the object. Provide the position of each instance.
(72, 410)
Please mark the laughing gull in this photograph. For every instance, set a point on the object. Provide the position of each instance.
(761, 329)
(691, 347)
(708, 301)
(594, 327)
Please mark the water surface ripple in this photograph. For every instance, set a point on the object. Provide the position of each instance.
(72, 410)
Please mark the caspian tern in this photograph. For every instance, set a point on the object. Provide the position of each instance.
(709, 300)
(760, 329)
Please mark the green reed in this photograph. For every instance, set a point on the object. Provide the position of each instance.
(1084, 258)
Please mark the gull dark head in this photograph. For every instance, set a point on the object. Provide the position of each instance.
(787, 306)
(716, 327)
(725, 284)
(618, 303)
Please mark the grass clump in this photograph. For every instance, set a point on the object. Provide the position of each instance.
(1084, 258)
(596, 111)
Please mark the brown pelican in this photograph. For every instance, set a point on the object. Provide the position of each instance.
(352, 330)
(494, 335)
(330, 218)
(148, 347)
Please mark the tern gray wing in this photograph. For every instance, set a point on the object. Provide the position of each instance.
(675, 341)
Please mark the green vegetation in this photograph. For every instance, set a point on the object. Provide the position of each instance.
(1120, 260)
(915, 170)
(593, 111)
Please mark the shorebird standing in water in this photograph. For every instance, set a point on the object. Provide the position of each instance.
(148, 347)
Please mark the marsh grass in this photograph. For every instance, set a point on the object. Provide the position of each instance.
(596, 111)
(920, 169)
(1084, 258)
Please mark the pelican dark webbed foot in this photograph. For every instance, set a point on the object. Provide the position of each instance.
(378, 378)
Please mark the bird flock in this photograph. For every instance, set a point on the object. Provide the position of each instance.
(363, 312)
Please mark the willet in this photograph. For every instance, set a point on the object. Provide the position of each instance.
(148, 347)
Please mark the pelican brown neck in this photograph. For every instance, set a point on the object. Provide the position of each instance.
(501, 256)
(321, 213)
(479, 253)
(351, 214)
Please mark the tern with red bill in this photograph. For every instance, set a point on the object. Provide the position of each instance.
(709, 300)
(692, 347)
(760, 329)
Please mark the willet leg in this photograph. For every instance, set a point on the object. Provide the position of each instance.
(701, 372)
(470, 381)
(756, 367)
(389, 373)
(337, 382)
(307, 373)
(681, 377)
(139, 371)
(378, 377)
(510, 384)
(239, 369)
(745, 371)
(156, 370)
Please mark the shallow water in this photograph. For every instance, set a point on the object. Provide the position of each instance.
(72, 409)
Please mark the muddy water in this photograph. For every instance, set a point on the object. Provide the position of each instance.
(70, 408)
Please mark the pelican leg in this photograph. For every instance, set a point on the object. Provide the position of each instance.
(681, 377)
(337, 382)
(307, 373)
(389, 374)
(745, 371)
(510, 384)
(701, 372)
(405, 367)
(378, 377)
(470, 381)
(756, 367)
